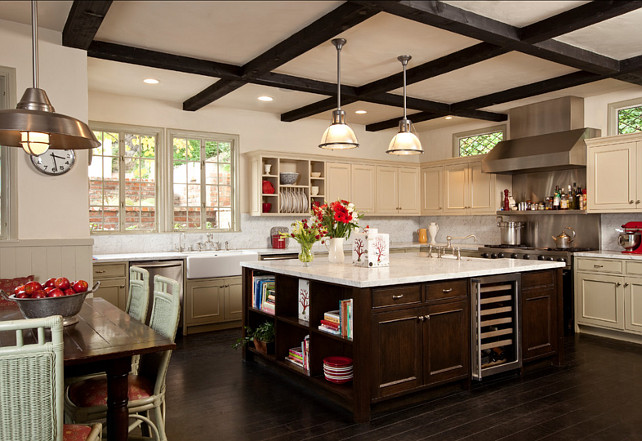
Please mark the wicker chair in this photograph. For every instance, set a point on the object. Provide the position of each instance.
(86, 401)
(138, 296)
(31, 386)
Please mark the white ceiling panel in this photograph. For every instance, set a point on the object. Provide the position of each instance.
(504, 72)
(51, 15)
(284, 100)
(225, 31)
(625, 29)
(372, 49)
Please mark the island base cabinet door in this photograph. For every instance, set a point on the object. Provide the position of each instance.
(633, 304)
(396, 352)
(446, 342)
(601, 301)
(539, 315)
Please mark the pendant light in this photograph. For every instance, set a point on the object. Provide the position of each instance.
(339, 136)
(405, 142)
(33, 124)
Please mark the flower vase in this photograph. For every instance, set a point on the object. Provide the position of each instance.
(306, 255)
(335, 249)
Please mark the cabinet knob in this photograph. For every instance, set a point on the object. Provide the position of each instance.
(637, 202)
(631, 201)
(626, 284)
(122, 286)
(427, 316)
(397, 297)
(447, 290)
(618, 284)
(421, 318)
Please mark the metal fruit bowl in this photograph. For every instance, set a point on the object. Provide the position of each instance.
(66, 306)
(288, 178)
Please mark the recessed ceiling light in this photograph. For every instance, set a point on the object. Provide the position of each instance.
(448, 117)
(151, 81)
(265, 98)
(360, 112)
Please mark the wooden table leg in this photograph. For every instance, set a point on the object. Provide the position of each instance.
(117, 414)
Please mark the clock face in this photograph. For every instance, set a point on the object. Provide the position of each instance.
(54, 162)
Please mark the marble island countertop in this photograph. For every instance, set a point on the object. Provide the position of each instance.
(609, 254)
(404, 268)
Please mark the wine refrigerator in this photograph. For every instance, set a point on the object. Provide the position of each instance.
(496, 322)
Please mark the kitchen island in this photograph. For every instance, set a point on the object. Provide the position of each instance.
(412, 325)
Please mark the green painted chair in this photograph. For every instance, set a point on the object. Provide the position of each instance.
(138, 295)
(86, 400)
(31, 385)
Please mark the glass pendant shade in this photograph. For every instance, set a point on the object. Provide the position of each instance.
(34, 125)
(339, 136)
(405, 142)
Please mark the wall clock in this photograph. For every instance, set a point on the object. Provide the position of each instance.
(54, 162)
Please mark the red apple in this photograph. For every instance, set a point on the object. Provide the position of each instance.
(70, 292)
(48, 289)
(17, 289)
(80, 286)
(56, 292)
(51, 282)
(39, 294)
(32, 287)
(22, 295)
(62, 283)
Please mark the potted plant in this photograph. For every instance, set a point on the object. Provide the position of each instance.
(262, 337)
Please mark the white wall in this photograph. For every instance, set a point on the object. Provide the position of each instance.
(49, 207)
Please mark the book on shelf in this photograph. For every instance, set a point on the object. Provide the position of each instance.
(264, 293)
(306, 353)
(300, 355)
(339, 321)
(330, 324)
(332, 316)
(330, 330)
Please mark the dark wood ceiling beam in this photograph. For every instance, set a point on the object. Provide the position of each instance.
(576, 18)
(631, 71)
(394, 122)
(83, 22)
(299, 84)
(425, 116)
(333, 23)
(315, 108)
(161, 60)
(450, 18)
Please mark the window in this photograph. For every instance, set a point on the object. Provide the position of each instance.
(7, 101)
(625, 117)
(477, 142)
(204, 181)
(123, 181)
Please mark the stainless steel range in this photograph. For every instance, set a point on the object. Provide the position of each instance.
(552, 254)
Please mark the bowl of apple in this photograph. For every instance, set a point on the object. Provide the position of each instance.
(57, 296)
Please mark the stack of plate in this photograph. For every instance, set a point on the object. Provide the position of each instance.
(337, 369)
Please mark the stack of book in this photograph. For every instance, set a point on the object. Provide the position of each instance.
(264, 294)
(300, 355)
(339, 321)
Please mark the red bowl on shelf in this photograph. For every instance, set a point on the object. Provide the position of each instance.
(267, 206)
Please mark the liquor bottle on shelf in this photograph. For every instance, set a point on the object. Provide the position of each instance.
(584, 198)
(556, 198)
(563, 201)
(571, 197)
(578, 199)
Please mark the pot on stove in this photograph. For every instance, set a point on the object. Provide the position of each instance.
(564, 241)
(511, 232)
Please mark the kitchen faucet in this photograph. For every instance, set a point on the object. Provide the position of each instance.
(449, 245)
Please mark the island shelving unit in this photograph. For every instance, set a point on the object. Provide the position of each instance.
(411, 323)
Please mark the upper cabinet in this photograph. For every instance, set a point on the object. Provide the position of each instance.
(397, 190)
(339, 178)
(614, 174)
(363, 184)
(469, 191)
(432, 190)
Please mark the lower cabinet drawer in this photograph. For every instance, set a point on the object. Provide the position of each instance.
(599, 265)
(446, 290)
(634, 268)
(394, 296)
(103, 270)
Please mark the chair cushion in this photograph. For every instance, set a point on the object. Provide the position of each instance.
(93, 392)
(75, 432)
(8, 285)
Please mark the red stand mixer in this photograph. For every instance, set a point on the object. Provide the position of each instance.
(631, 238)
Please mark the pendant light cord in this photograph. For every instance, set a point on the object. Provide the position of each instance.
(338, 43)
(404, 62)
(34, 41)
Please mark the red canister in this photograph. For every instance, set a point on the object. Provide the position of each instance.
(278, 241)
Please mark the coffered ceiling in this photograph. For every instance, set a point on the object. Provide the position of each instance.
(471, 59)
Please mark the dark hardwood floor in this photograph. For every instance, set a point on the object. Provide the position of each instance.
(213, 395)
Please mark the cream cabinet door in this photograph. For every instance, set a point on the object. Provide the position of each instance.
(387, 200)
(611, 178)
(114, 291)
(633, 304)
(233, 298)
(363, 184)
(409, 189)
(600, 300)
(456, 189)
(482, 190)
(204, 301)
(338, 181)
(431, 190)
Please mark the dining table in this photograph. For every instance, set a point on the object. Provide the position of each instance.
(103, 340)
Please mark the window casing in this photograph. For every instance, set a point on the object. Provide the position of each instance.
(625, 117)
(123, 179)
(477, 142)
(204, 181)
(7, 101)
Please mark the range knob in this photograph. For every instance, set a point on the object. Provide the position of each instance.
(500, 255)
(513, 256)
(541, 257)
(550, 258)
(493, 256)
(526, 257)
(485, 255)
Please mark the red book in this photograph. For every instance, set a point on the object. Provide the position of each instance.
(330, 324)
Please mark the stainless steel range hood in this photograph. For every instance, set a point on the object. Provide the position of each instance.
(544, 136)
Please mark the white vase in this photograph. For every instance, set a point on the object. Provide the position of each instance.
(432, 231)
(335, 249)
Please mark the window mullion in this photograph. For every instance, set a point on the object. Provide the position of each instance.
(121, 181)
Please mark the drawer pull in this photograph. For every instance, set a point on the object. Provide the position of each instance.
(397, 297)
(447, 290)
(598, 266)
(100, 271)
(421, 318)
(427, 316)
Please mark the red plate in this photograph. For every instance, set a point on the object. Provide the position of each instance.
(337, 361)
